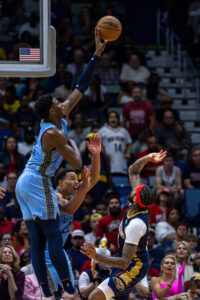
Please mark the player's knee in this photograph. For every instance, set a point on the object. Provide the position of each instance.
(97, 294)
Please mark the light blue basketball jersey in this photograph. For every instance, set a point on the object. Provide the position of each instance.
(45, 163)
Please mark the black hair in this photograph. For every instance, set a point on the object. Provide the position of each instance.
(61, 175)
(169, 211)
(146, 195)
(112, 112)
(43, 105)
(113, 196)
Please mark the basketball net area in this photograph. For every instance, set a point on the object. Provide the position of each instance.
(33, 61)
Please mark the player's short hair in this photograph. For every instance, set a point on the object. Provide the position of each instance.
(61, 175)
(144, 195)
(43, 105)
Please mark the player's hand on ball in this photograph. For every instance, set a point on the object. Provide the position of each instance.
(158, 157)
(100, 46)
(89, 250)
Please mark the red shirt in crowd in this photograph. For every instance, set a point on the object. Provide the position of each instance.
(6, 226)
(156, 215)
(109, 226)
(144, 174)
(138, 116)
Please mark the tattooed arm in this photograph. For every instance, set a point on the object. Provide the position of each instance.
(119, 262)
(135, 169)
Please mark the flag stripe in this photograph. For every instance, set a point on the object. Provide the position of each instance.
(29, 54)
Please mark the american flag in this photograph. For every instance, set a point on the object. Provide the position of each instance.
(29, 54)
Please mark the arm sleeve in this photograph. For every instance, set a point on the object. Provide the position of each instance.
(84, 280)
(138, 227)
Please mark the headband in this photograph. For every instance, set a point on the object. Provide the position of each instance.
(139, 202)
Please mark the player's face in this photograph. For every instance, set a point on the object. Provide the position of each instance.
(113, 120)
(58, 108)
(70, 183)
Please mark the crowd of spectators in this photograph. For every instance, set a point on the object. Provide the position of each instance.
(133, 116)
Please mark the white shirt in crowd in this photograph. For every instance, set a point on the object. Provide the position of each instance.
(115, 142)
(140, 75)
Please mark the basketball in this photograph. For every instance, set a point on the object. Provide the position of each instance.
(110, 28)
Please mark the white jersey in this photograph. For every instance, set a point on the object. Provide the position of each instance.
(115, 142)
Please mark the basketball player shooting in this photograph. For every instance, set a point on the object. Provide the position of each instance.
(34, 191)
(132, 264)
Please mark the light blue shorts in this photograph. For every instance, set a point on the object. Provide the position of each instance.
(53, 277)
(36, 196)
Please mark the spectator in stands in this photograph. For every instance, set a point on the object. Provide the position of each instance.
(166, 230)
(84, 212)
(32, 26)
(183, 255)
(63, 91)
(5, 225)
(13, 212)
(140, 144)
(125, 96)
(109, 225)
(194, 20)
(150, 168)
(97, 95)
(192, 240)
(165, 104)
(24, 117)
(31, 89)
(11, 104)
(117, 143)
(25, 258)
(57, 79)
(77, 67)
(167, 129)
(82, 24)
(25, 146)
(166, 285)
(139, 114)
(21, 240)
(31, 288)
(4, 115)
(6, 239)
(179, 144)
(12, 279)
(191, 173)
(10, 196)
(101, 209)
(3, 179)
(97, 272)
(14, 162)
(108, 75)
(196, 264)
(105, 179)
(17, 21)
(181, 232)
(94, 221)
(168, 176)
(134, 71)
(152, 92)
(78, 133)
(78, 259)
(158, 211)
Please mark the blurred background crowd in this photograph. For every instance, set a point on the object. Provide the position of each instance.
(133, 115)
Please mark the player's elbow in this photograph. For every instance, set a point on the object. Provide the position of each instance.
(77, 164)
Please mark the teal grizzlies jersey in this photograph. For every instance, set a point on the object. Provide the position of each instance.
(45, 163)
(141, 253)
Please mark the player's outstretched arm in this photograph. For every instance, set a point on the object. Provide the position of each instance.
(135, 169)
(68, 207)
(119, 262)
(94, 146)
(85, 78)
